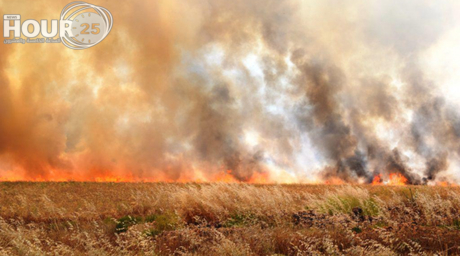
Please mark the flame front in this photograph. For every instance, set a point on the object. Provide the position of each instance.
(397, 179)
(394, 179)
(256, 91)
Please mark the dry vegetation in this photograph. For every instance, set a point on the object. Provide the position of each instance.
(227, 219)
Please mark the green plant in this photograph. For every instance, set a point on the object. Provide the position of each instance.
(167, 221)
(357, 230)
(124, 222)
(456, 223)
(239, 220)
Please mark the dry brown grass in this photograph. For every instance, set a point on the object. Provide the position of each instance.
(227, 219)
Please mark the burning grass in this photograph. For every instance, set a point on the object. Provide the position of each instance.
(73, 218)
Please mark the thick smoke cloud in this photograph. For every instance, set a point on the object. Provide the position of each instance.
(254, 91)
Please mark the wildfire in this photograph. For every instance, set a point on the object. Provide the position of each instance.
(377, 180)
(394, 179)
(334, 181)
(225, 177)
(446, 184)
(195, 177)
(397, 179)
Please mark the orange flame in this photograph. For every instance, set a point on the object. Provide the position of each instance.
(196, 177)
(377, 180)
(394, 179)
(446, 184)
(225, 177)
(397, 179)
(334, 181)
(443, 183)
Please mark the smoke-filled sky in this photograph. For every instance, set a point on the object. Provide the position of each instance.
(205, 90)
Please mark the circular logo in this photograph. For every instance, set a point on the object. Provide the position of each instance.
(90, 24)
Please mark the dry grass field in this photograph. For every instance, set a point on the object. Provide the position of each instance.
(72, 218)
